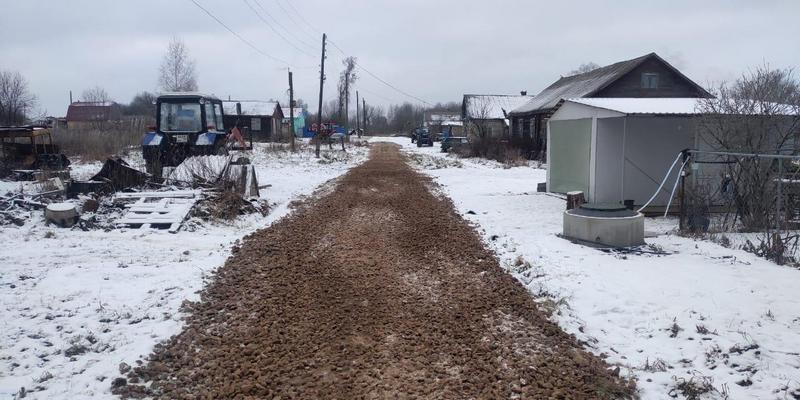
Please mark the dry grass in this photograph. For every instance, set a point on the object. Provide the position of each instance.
(102, 141)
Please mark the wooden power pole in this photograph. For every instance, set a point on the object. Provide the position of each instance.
(291, 110)
(358, 119)
(364, 112)
(321, 84)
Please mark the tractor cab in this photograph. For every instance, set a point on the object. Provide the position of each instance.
(187, 124)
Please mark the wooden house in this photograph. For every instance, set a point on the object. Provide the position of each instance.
(648, 76)
(264, 119)
(487, 113)
(83, 114)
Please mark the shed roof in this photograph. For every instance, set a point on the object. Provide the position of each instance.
(653, 106)
(669, 106)
(589, 83)
(491, 106)
(251, 107)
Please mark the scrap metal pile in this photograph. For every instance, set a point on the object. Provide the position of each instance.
(121, 196)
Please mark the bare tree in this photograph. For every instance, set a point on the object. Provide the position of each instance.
(584, 68)
(757, 114)
(143, 104)
(177, 73)
(95, 95)
(346, 80)
(406, 116)
(16, 100)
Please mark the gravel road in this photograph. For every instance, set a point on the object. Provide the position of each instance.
(376, 289)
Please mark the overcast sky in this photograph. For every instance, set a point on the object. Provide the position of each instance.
(435, 50)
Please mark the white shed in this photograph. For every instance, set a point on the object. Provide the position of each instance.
(616, 149)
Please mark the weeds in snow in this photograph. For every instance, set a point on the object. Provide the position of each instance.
(695, 387)
(658, 365)
(701, 329)
(674, 329)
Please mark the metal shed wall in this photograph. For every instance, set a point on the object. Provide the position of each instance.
(651, 145)
(609, 160)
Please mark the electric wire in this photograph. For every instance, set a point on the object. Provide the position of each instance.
(238, 36)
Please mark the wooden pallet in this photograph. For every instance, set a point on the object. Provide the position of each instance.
(162, 210)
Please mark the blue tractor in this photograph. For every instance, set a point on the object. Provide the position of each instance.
(187, 124)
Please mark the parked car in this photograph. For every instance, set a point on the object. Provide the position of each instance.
(451, 143)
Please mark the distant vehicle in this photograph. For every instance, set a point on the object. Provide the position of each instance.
(30, 148)
(187, 124)
(451, 143)
(422, 136)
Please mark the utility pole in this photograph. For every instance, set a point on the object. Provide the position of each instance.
(358, 119)
(321, 84)
(364, 112)
(291, 110)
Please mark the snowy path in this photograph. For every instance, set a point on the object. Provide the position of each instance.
(76, 304)
(625, 306)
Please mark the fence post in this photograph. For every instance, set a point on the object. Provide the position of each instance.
(779, 216)
(682, 196)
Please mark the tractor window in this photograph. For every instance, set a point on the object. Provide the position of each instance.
(218, 112)
(210, 119)
(180, 117)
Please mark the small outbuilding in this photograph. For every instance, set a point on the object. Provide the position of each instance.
(264, 119)
(617, 149)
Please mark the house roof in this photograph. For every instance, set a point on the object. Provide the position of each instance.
(491, 106)
(589, 83)
(85, 111)
(251, 107)
(443, 116)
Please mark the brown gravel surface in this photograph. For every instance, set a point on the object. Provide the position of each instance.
(376, 290)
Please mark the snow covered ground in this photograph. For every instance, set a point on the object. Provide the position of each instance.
(76, 304)
(703, 314)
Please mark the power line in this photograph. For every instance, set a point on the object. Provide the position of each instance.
(294, 21)
(273, 28)
(245, 41)
(277, 22)
(378, 78)
(314, 30)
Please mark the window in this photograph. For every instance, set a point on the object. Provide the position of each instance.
(649, 81)
(210, 118)
(218, 112)
(255, 124)
(180, 117)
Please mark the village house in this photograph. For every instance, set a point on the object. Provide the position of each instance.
(84, 114)
(486, 114)
(648, 76)
(263, 119)
(444, 122)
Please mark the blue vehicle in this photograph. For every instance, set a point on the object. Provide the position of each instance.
(422, 136)
(187, 124)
